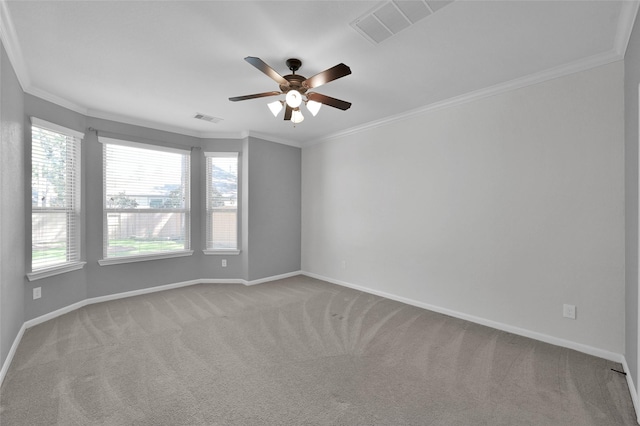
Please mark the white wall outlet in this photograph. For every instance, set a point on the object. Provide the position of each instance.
(343, 264)
(37, 293)
(569, 311)
(224, 263)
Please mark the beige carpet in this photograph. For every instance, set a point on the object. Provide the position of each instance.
(296, 352)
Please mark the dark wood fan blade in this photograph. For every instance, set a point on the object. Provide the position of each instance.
(262, 66)
(333, 73)
(288, 112)
(257, 95)
(328, 100)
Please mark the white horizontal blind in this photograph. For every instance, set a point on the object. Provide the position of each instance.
(147, 199)
(55, 197)
(222, 201)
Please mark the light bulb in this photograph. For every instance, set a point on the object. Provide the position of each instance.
(313, 107)
(297, 117)
(294, 98)
(275, 107)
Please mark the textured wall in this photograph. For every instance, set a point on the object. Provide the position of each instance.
(110, 279)
(274, 209)
(502, 208)
(65, 289)
(274, 225)
(631, 87)
(12, 207)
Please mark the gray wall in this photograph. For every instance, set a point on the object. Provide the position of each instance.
(283, 208)
(12, 208)
(631, 83)
(274, 208)
(500, 209)
(65, 289)
(105, 280)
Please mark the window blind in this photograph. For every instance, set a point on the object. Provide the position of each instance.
(55, 196)
(222, 200)
(147, 199)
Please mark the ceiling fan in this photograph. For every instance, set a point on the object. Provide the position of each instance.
(295, 88)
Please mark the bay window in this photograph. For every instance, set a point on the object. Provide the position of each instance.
(147, 199)
(55, 199)
(222, 203)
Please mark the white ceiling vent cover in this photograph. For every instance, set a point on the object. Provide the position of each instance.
(208, 118)
(393, 16)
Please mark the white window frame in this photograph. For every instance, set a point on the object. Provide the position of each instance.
(208, 207)
(74, 214)
(187, 211)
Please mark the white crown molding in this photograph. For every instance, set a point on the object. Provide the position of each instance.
(225, 135)
(103, 115)
(54, 99)
(518, 83)
(275, 139)
(10, 41)
(626, 20)
(250, 133)
(628, 14)
(182, 131)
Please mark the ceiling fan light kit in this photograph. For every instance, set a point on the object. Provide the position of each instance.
(313, 107)
(296, 116)
(276, 107)
(295, 87)
(293, 98)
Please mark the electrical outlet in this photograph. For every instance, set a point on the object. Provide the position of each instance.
(224, 263)
(569, 311)
(343, 264)
(37, 293)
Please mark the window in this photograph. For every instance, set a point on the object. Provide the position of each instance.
(55, 199)
(147, 201)
(222, 203)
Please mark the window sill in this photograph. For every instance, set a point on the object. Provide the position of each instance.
(56, 270)
(221, 252)
(144, 258)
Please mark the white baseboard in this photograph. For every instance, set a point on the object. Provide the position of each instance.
(590, 350)
(54, 314)
(632, 389)
(601, 353)
(273, 278)
(100, 299)
(494, 324)
(11, 354)
(251, 282)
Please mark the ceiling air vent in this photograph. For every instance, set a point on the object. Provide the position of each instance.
(208, 118)
(391, 17)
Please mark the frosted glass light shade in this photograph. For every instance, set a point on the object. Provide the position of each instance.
(275, 107)
(313, 107)
(293, 98)
(297, 117)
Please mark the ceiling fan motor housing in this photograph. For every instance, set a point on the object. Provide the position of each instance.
(295, 83)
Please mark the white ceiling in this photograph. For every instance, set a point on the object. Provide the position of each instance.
(159, 63)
